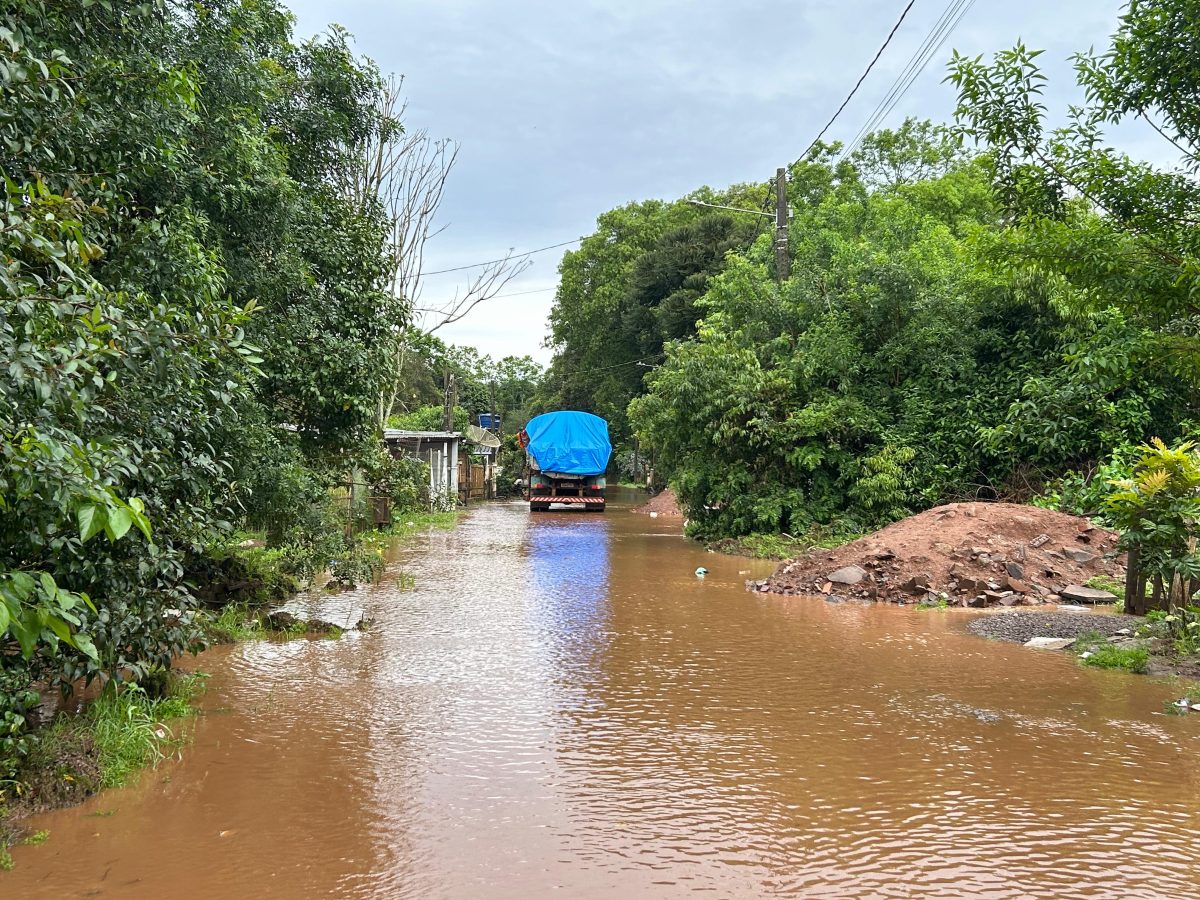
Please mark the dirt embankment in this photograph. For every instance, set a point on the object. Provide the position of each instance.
(965, 554)
(664, 506)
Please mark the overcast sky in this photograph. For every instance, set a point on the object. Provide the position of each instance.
(567, 109)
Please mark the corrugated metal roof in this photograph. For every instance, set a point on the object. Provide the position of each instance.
(399, 434)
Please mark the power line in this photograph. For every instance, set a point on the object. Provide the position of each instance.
(633, 362)
(861, 78)
(949, 20)
(503, 258)
(524, 293)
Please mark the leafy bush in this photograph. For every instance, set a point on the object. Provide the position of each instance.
(1157, 510)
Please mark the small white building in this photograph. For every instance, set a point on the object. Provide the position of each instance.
(439, 449)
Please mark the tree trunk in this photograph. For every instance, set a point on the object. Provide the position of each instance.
(1135, 585)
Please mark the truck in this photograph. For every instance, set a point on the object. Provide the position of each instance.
(567, 453)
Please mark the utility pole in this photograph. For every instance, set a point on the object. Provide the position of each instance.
(495, 421)
(449, 401)
(783, 263)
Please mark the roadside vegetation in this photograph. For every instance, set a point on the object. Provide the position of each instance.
(196, 328)
(990, 309)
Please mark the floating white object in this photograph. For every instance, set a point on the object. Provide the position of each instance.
(654, 515)
(701, 572)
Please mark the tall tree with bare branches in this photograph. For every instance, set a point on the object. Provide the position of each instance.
(406, 172)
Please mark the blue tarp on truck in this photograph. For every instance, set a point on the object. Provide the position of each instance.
(571, 443)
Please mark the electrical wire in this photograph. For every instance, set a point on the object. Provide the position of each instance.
(490, 262)
(938, 34)
(633, 362)
(861, 79)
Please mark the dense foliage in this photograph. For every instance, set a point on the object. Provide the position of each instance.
(893, 370)
(193, 316)
(997, 320)
(631, 287)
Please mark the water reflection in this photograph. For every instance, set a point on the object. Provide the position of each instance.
(567, 557)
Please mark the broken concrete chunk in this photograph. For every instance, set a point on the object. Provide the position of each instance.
(1049, 643)
(1077, 593)
(1039, 540)
(847, 575)
(1083, 557)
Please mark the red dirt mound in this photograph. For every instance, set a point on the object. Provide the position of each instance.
(976, 554)
(665, 504)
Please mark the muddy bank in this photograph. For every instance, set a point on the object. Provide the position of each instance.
(964, 554)
(664, 505)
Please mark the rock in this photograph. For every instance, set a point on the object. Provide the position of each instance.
(1014, 570)
(1015, 585)
(1077, 593)
(827, 587)
(918, 584)
(847, 575)
(1083, 557)
(321, 616)
(977, 602)
(1023, 520)
(1039, 540)
(1010, 600)
(1049, 643)
(1084, 538)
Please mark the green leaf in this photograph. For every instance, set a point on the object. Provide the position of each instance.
(91, 520)
(48, 586)
(119, 520)
(60, 628)
(84, 645)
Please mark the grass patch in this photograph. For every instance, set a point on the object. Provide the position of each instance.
(130, 727)
(1131, 659)
(235, 622)
(410, 524)
(780, 546)
(38, 837)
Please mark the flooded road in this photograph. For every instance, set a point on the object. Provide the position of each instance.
(562, 708)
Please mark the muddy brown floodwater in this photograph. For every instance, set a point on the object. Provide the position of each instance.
(562, 708)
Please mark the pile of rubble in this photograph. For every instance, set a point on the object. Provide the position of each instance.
(962, 554)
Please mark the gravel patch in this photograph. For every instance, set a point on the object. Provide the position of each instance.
(1019, 627)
